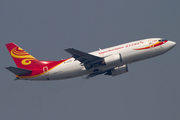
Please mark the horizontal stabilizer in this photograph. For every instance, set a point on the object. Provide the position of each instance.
(18, 71)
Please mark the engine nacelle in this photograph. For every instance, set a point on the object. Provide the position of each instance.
(118, 70)
(113, 59)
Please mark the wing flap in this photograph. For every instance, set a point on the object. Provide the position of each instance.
(18, 71)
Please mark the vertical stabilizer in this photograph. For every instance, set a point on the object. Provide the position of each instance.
(21, 57)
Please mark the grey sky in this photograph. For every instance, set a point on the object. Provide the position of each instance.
(149, 91)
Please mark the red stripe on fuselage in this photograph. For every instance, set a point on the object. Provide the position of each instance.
(154, 45)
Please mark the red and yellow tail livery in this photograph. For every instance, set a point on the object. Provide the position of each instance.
(27, 65)
(21, 57)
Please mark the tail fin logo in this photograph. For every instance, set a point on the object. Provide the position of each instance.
(19, 53)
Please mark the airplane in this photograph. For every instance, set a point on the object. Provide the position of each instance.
(111, 61)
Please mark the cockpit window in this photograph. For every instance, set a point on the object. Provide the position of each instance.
(162, 40)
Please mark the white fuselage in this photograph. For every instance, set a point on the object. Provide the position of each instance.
(130, 52)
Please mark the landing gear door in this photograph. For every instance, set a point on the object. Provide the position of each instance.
(151, 43)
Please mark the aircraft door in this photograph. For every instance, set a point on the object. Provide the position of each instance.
(46, 72)
(151, 43)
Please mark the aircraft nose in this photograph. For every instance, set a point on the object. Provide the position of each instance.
(168, 46)
(172, 44)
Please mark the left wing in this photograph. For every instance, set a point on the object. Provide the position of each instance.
(86, 59)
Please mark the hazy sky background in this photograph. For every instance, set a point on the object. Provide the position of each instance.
(149, 91)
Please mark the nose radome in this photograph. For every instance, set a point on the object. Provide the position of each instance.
(172, 43)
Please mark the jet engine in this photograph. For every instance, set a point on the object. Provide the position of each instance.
(112, 60)
(118, 70)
